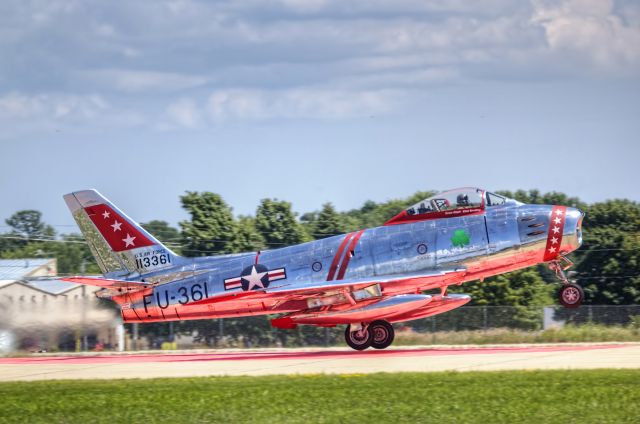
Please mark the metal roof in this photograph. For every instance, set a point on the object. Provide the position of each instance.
(18, 269)
(52, 286)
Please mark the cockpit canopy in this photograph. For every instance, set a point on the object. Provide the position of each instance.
(449, 200)
(457, 202)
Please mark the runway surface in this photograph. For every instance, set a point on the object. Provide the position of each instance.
(319, 360)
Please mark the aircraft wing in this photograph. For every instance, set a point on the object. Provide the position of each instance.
(402, 283)
(417, 279)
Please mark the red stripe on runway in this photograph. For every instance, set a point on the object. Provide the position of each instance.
(294, 354)
(338, 256)
(345, 261)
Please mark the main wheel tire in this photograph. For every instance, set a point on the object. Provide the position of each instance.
(358, 340)
(382, 334)
(570, 295)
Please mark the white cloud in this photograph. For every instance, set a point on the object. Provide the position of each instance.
(590, 31)
(52, 106)
(134, 81)
(22, 114)
(184, 113)
(318, 59)
(311, 103)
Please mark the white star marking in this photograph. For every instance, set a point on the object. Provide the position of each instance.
(552, 250)
(106, 215)
(554, 240)
(116, 226)
(557, 220)
(556, 230)
(128, 241)
(255, 278)
(558, 212)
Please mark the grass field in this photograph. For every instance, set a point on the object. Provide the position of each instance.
(599, 396)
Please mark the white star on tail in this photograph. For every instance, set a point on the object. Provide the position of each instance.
(255, 278)
(557, 220)
(556, 230)
(128, 241)
(554, 240)
(558, 212)
(106, 215)
(552, 250)
(116, 226)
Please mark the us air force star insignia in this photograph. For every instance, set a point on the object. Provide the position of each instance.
(255, 277)
(258, 277)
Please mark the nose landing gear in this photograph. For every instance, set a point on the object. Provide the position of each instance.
(570, 294)
(378, 334)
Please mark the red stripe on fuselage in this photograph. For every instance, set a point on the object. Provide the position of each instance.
(347, 256)
(338, 256)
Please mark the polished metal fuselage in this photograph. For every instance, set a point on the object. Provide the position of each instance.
(502, 239)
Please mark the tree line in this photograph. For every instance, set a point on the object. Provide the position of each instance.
(607, 265)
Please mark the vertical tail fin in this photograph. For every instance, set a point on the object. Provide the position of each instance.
(121, 246)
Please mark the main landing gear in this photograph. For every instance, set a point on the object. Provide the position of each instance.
(378, 334)
(570, 294)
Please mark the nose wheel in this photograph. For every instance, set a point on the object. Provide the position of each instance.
(378, 334)
(570, 294)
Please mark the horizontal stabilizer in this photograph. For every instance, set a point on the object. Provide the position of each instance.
(112, 287)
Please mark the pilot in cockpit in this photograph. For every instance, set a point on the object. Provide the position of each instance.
(462, 200)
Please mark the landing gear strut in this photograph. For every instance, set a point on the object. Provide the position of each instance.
(379, 335)
(570, 294)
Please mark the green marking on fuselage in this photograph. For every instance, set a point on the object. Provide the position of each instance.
(460, 238)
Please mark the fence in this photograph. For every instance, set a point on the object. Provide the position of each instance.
(257, 332)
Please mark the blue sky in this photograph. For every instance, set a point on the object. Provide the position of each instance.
(314, 101)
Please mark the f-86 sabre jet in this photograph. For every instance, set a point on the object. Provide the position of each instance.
(365, 279)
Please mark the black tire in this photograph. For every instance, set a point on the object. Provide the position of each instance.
(570, 295)
(358, 340)
(382, 334)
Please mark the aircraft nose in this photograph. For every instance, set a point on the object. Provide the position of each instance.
(573, 225)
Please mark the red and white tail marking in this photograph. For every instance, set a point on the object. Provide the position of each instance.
(116, 230)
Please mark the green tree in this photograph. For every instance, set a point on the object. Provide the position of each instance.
(28, 224)
(212, 229)
(373, 214)
(534, 197)
(329, 223)
(73, 255)
(249, 239)
(277, 224)
(165, 233)
(609, 260)
(523, 291)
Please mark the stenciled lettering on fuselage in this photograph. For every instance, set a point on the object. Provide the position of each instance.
(184, 295)
(148, 260)
(255, 277)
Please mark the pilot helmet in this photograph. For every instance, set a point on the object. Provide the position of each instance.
(463, 200)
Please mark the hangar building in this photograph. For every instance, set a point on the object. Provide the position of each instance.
(52, 315)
